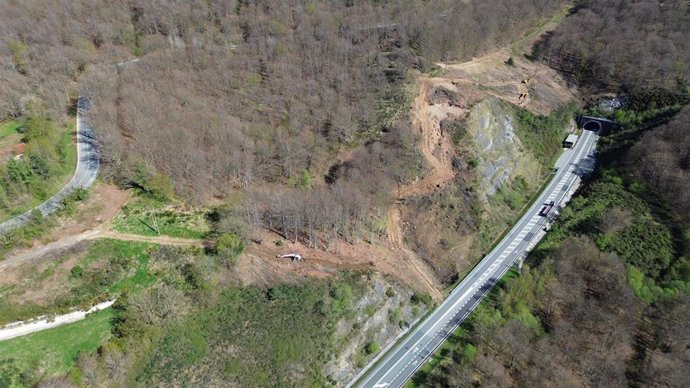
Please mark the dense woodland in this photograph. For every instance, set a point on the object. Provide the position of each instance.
(603, 300)
(662, 159)
(622, 45)
(256, 96)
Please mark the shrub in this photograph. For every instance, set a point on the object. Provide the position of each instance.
(395, 315)
(421, 298)
(469, 352)
(77, 272)
(228, 247)
(372, 347)
(370, 310)
(390, 292)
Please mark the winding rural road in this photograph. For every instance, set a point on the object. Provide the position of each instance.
(396, 365)
(88, 164)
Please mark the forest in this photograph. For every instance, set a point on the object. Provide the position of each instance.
(262, 94)
(616, 45)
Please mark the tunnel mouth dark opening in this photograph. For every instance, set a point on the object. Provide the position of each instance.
(592, 126)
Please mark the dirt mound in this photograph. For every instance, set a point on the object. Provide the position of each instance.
(530, 85)
(443, 94)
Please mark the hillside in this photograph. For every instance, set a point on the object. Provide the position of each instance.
(387, 144)
(602, 300)
(234, 132)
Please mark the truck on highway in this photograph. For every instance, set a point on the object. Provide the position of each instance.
(546, 209)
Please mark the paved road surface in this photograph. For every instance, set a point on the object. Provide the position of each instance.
(88, 164)
(404, 358)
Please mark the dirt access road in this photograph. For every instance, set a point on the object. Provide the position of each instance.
(65, 243)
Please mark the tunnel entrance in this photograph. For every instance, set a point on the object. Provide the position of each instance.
(599, 124)
(592, 126)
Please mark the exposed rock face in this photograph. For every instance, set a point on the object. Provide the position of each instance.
(499, 151)
(377, 318)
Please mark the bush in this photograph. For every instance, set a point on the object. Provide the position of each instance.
(390, 292)
(395, 315)
(372, 347)
(342, 298)
(303, 181)
(469, 352)
(228, 247)
(421, 298)
(77, 272)
(152, 183)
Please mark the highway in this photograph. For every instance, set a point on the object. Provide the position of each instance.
(404, 358)
(88, 164)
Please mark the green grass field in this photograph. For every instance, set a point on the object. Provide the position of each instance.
(149, 217)
(9, 128)
(127, 266)
(51, 352)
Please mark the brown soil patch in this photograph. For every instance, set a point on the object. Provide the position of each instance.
(7, 145)
(319, 263)
(91, 216)
(55, 248)
(104, 203)
(409, 258)
(47, 251)
(436, 148)
(531, 85)
(264, 271)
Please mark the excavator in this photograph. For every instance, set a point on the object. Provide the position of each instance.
(291, 256)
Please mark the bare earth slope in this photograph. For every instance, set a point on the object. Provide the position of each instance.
(451, 95)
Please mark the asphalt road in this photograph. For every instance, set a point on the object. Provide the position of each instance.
(404, 358)
(88, 164)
